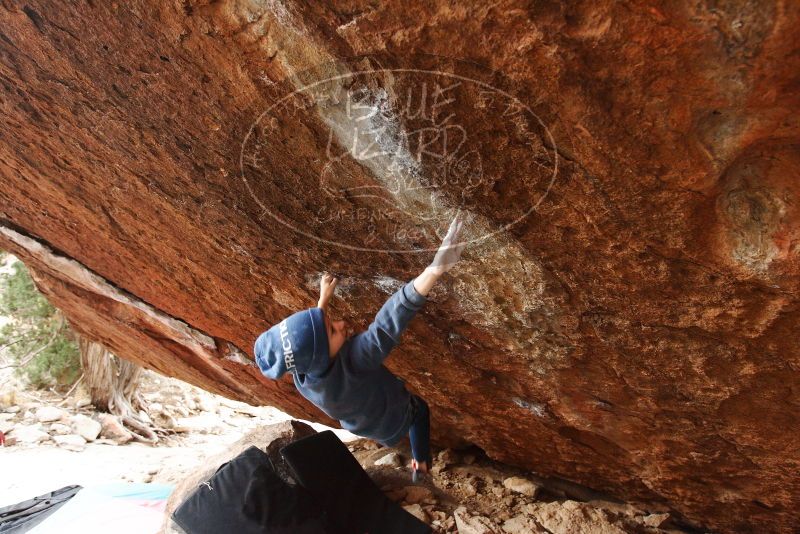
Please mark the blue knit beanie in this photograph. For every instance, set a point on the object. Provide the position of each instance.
(297, 344)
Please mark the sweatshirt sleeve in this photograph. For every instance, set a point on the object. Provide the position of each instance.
(371, 347)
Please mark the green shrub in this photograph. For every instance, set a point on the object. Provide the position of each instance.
(38, 338)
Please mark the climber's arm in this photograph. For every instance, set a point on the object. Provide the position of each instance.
(448, 254)
(425, 281)
(370, 348)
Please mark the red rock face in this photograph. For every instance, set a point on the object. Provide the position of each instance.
(625, 317)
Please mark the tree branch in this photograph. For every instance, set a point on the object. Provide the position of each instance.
(38, 351)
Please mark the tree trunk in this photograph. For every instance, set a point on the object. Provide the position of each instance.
(112, 383)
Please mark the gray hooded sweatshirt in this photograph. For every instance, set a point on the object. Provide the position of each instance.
(355, 388)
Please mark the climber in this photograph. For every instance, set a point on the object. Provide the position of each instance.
(344, 376)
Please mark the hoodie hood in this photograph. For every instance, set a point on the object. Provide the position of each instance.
(298, 344)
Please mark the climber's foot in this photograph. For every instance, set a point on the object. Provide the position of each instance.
(419, 466)
(418, 471)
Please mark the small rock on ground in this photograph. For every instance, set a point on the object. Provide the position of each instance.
(418, 494)
(472, 524)
(29, 433)
(60, 429)
(48, 414)
(86, 427)
(521, 485)
(113, 429)
(521, 524)
(655, 520)
(71, 442)
(417, 511)
(392, 459)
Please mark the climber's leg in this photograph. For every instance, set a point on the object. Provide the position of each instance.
(420, 436)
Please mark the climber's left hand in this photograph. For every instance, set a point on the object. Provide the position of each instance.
(327, 286)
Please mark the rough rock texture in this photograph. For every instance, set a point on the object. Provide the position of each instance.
(634, 332)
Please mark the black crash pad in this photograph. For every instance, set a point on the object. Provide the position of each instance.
(22, 517)
(323, 465)
(246, 496)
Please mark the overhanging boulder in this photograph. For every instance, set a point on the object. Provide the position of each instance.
(178, 174)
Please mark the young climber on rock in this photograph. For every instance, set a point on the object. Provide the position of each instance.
(344, 376)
